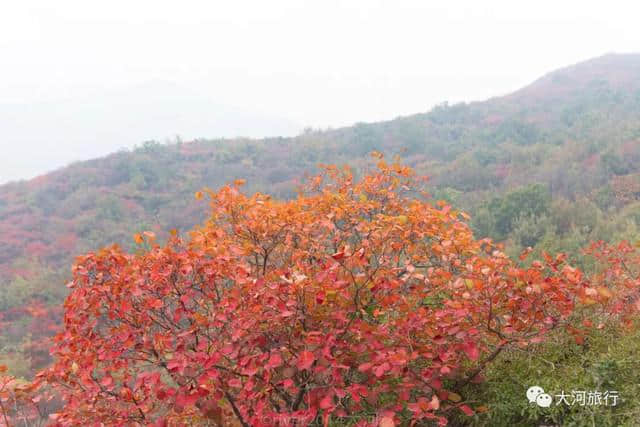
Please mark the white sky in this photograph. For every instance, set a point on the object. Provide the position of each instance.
(80, 79)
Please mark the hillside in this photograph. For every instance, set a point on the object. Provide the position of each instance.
(553, 165)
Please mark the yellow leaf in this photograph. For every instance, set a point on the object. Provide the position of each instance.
(199, 195)
(138, 238)
(74, 367)
(239, 182)
(402, 219)
(604, 292)
(454, 397)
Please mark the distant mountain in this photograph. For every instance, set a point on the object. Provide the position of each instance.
(551, 165)
(98, 123)
(616, 71)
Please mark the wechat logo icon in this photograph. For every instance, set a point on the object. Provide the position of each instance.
(536, 394)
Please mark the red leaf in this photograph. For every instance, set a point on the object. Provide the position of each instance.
(175, 364)
(184, 400)
(274, 361)
(161, 394)
(235, 382)
(106, 381)
(305, 360)
(467, 410)
(288, 383)
(381, 369)
(327, 402)
(365, 367)
(472, 350)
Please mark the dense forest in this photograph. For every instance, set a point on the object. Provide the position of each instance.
(553, 166)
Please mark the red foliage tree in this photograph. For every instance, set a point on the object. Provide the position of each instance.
(357, 299)
(615, 285)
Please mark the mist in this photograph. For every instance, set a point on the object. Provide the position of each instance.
(80, 80)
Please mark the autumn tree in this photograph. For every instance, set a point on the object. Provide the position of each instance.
(360, 298)
(24, 403)
(616, 282)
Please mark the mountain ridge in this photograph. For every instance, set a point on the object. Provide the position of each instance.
(591, 70)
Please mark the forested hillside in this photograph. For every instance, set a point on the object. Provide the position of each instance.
(553, 166)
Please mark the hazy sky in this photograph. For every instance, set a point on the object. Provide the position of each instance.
(79, 79)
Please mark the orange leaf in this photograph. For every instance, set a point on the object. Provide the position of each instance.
(604, 292)
(435, 403)
(387, 422)
(156, 303)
